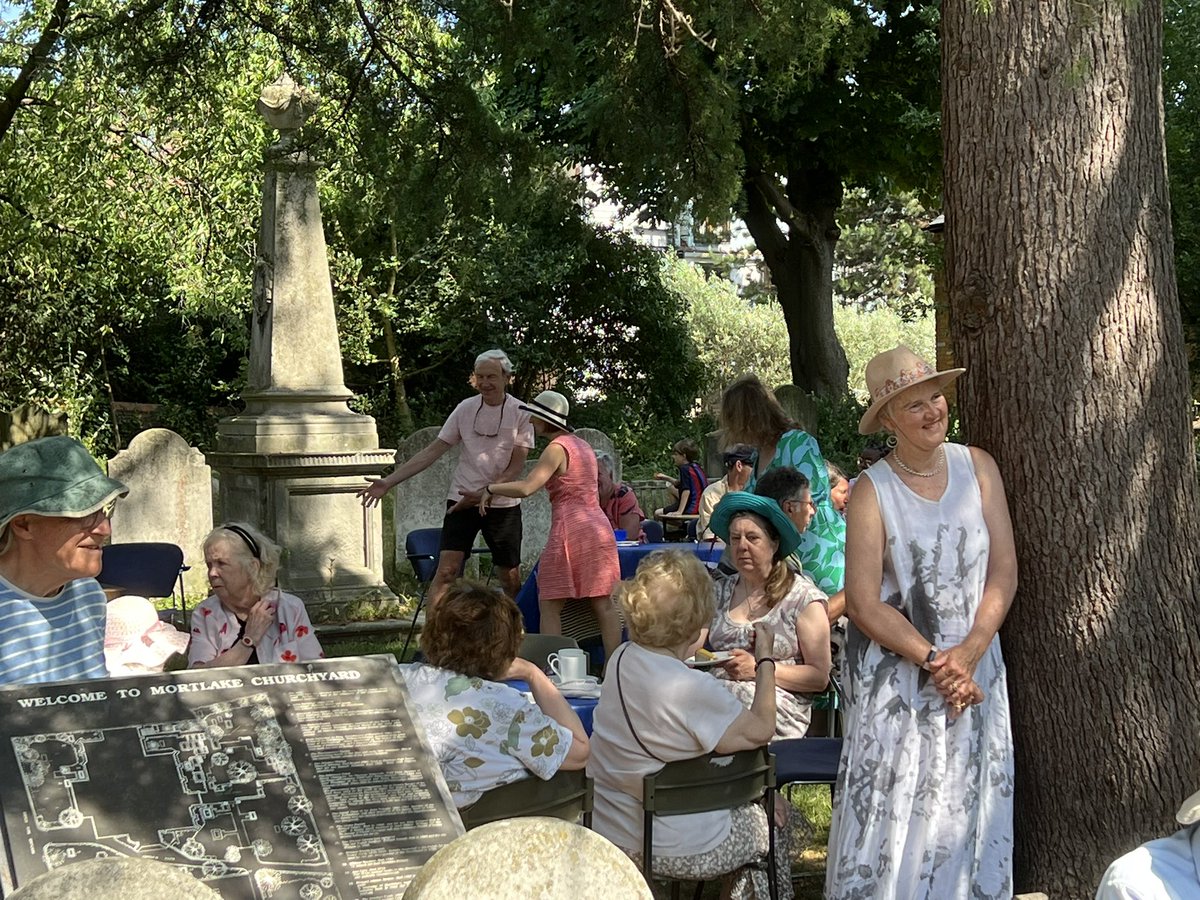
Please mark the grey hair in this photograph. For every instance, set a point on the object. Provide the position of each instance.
(606, 460)
(499, 356)
(262, 571)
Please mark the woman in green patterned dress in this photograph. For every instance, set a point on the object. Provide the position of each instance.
(750, 414)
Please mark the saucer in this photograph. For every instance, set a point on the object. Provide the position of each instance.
(627, 543)
(586, 679)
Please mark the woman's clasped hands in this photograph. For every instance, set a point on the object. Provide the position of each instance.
(953, 672)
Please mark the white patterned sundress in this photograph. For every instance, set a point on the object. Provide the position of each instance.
(924, 803)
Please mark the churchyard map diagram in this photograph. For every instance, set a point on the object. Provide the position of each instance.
(309, 781)
(234, 769)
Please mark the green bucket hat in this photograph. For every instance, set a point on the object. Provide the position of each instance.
(53, 476)
(742, 501)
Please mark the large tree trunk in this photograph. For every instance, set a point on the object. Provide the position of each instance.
(1061, 286)
(801, 266)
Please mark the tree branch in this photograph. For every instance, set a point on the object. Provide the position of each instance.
(37, 58)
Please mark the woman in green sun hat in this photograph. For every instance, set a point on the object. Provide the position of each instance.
(766, 591)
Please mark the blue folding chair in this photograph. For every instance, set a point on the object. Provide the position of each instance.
(150, 569)
(422, 547)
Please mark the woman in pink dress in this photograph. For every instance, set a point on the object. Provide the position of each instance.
(580, 559)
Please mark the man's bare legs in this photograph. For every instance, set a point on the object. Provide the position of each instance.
(450, 563)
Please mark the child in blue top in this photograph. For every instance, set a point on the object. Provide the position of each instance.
(685, 490)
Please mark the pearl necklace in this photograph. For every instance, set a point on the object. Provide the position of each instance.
(911, 471)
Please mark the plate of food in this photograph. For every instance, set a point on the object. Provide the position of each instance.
(706, 659)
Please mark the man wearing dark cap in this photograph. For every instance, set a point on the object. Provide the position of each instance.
(738, 461)
(55, 504)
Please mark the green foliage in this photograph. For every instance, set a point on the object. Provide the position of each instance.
(704, 102)
(732, 335)
(837, 430)
(865, 334)
(883, 257)
(1181, 93)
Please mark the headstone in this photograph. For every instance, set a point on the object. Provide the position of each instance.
(28, 423)
(170, 498)
(602, 443)
(292, 462)
(531, 857)
(308, 780)
(798, 404)
(116, 879)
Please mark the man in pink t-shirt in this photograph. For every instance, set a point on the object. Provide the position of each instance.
(496, 438)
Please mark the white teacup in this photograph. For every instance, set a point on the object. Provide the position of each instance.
(569, 665)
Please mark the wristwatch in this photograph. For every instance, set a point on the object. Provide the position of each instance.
(766, 659)
(246, 642)
(933, 652)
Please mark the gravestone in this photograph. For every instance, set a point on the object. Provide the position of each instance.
(305, 780)
(531, 857)
(170, 498)
(798, 404)
(29, 422)
(602, 443)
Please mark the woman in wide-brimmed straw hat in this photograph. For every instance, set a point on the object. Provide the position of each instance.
(580, 559)
(927, 770)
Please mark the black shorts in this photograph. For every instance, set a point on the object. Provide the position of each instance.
(501, 529)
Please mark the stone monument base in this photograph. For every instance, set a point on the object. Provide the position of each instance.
(306, 501)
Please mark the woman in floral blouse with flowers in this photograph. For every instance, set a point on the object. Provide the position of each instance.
(487, 734)
(246, 620)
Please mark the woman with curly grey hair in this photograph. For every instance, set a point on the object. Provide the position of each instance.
(247, 620)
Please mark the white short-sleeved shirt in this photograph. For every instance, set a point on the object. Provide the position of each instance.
(678, 713)
(488, 435)
(483, 733)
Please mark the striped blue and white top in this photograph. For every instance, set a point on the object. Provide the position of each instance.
(58, 638)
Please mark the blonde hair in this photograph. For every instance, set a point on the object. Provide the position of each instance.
(750, 414)
(668, 601)
(261, 567)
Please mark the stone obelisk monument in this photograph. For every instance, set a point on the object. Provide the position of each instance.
(292, 461)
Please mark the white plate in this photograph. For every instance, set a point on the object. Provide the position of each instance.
(586, 679)
(627, 543)
(718, 657)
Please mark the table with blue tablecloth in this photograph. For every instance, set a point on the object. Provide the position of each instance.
(629, 558)
(585, 707)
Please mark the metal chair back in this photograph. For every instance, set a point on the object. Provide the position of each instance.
(147, 569)
(568, 795)
(707, 783)
(537, 647)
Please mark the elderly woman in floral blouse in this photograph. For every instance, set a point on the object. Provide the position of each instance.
(487, 734)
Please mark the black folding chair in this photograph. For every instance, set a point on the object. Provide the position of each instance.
(568, 795)
(707, 783)
(150, 569)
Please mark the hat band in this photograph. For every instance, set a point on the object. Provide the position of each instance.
(557, 416)
(905, 378)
